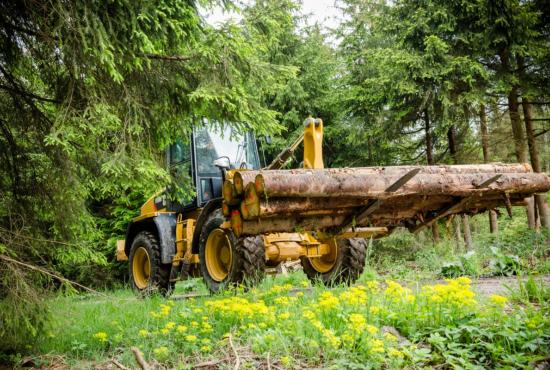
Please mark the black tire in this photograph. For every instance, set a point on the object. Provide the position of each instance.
(252, 252)
(159, 279)
(247, 262)
(349, 265)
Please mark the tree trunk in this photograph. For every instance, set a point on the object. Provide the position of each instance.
(430, 160)
(493, 225)
(467, 232)
(349, 184)
(451, 136)
(517, 129)
(519, 146)
(458, 233)
(535, 161)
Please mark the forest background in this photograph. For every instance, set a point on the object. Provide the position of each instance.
(91, 93)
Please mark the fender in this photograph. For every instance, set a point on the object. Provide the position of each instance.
(206, 211)
(163, 225)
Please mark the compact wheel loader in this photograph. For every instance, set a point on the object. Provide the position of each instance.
(244, 218)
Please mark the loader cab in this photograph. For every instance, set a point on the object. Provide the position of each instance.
(195, 159)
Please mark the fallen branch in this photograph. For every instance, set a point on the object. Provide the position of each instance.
(140, 360)
(46, 272)
(119, 365)
(237, 358)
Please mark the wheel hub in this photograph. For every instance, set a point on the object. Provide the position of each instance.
(326, 262)
(218, 255)
(141, 268)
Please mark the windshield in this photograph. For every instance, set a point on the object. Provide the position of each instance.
(212, 144)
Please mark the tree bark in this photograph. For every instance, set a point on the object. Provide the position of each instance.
(493, 224)
(517, 129)
(430, 160)
(467, 232)
(451, 136)
(535, 161)
(322, 184)
(519, 146)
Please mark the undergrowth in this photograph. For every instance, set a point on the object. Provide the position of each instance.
(290, 324)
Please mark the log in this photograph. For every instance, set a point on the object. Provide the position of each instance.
(318, 222)
(319, 183)
(277, 207)
(242, 178)
(230, 193)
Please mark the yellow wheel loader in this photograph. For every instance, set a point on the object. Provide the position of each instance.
(245, 218)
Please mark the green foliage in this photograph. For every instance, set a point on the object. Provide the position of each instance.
(374, 324)
(461, 267)
(90, 95)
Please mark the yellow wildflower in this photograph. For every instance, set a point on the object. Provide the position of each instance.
(463, 280)
(373, 285)
(354, 296)
(304, 283)
(143, 333)
(328, 301)
(281, 301)
(376, 346)
(165, 310)
(154, 315)
(284, 315)
(194, 324)
(165, 331)
(161, 351)
(395, 353)
(206, 341)
(330, 338)
(206, 349)
(357, 322)
(181, 329)
(390, 337)
(285, 360)
(170, 325)
(374, 310)
(371, 329)
(309, 315)
(191, 338)
(101, 336)
(498, 300)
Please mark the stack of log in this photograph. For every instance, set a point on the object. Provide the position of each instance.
(319, 199)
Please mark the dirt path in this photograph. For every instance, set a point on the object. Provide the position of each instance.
(502, 285)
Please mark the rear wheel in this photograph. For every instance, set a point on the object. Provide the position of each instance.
(147, 273)
(225, 260)
(344, 263)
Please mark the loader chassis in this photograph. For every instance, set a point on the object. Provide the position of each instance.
(196, 238)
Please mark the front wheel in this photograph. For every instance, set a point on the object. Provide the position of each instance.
(226, 260)
(344, 263)
(147, 273)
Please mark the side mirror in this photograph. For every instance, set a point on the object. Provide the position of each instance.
(222, 163)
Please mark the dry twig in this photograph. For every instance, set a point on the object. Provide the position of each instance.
(140, 360)
(237, 358)
(119, 365)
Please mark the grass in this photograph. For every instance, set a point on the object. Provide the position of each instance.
(288, 323)
(291, 324)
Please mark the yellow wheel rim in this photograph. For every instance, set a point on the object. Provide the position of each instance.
(141, 268)
(326, 262)
(218, 256)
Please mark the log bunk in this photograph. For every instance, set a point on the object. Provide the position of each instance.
(344, 199)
